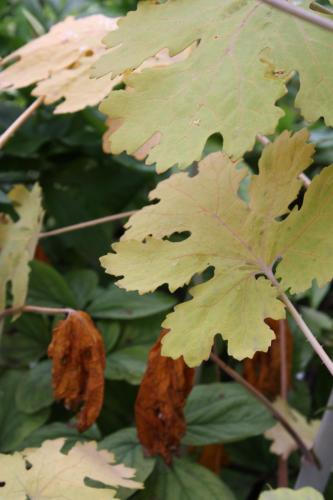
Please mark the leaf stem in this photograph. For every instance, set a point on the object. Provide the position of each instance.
(305, 15)
(89, 223)
(283, 463)
(293, 433)
(11, 311)
(20, 121)
(302, 177)
(301, 323)
(307, 332)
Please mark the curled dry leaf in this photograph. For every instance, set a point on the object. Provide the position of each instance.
(263, 371)
(283, 444)
(60, 61)
(160, 403)
(78, 356)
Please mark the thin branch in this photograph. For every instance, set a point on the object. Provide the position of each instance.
(293, 433)
(307, 332)
(11, 311)
(301, 324)
(20, 121)
(89, 223)
(283, 462)
(302, 177)
(283, 360)
(305, 15)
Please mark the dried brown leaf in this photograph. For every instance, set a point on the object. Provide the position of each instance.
(214, 457)
(159, 408)
(78, 356)
(263, 371)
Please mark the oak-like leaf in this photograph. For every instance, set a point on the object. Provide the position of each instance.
(283, 444)
(306, 493)
(240, 241)
(78, 357)
(18, 241)
(60, 62)
(53, 475)
(239, 59)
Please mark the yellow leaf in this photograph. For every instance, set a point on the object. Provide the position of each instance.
(54, 475)
(235, 238)
(283, 444)
(239, 60)
(60, 62)
(18, 242)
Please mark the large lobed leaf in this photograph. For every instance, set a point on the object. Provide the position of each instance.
(18, 242)
(54, 475)
(241, 241)
(60, 62)
(242, 54)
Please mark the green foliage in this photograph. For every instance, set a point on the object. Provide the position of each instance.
(79, 182)
(183, 479)
(223, 413)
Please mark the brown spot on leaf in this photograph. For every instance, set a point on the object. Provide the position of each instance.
(263, 371)
(78, 357)
(159, 408)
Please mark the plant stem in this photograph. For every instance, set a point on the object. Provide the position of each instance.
(283, 360)
(305, 15)
(283, 463)
(301, 323)
(89, 223)
(20, 121)
(11, 311)
(322, 447)
(307, 332)
(293, 433)
(302, 177)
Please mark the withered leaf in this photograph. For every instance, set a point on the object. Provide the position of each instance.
(263, 371)
(160, 403)
(78, 356)
(213, 457)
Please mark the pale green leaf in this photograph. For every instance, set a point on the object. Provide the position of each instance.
(241, 241)
(288, 494)
(238, 59)
(54, 475)
(18, 241)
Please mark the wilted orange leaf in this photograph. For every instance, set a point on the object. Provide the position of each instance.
(214, 457)
(78, 357)
(160, 403)
(263, 371)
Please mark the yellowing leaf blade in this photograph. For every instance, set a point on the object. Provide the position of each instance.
(241, 60)
(18, 241)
